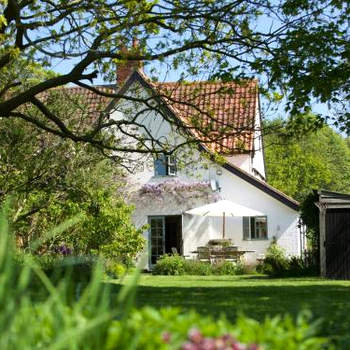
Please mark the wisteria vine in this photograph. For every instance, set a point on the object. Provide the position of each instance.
(180, 189)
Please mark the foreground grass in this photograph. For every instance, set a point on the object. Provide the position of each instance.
(255, 296)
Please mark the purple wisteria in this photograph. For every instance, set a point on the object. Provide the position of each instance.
(62, 250)
(176, 187)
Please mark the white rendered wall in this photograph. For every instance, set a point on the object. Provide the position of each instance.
(242, 161)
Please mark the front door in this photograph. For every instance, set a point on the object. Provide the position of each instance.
(165, 236)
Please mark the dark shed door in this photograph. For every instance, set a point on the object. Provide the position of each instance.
(338, 243)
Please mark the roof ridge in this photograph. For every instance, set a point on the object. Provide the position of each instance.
(106, 86)
(204, 82)
(65, 88)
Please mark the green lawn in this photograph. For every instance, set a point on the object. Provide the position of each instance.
(255, 296)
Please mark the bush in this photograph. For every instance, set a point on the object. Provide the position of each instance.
(177, 265)
(170, 265)
(227, 268)
(276, 264)
(197, 268)
(58, 268)
(274, 267)
(78, 270)
(115, 269)
(299, 267)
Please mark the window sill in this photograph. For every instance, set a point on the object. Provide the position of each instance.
(162, 176)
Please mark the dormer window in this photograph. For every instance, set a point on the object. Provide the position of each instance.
(164, 165)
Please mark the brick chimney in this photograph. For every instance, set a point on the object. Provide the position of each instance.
(124, 70)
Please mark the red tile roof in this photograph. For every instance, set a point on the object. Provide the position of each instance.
(223, 113)
(94, 102)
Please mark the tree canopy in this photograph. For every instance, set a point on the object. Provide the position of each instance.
(301, 47)
(52, 180)
(306, 161)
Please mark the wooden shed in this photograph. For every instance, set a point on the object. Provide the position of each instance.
(334, 234)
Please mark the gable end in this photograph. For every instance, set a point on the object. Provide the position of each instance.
(271, 191)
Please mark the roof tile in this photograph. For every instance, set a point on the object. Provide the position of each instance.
(228, 108)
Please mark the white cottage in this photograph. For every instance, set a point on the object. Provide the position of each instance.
(162, 188)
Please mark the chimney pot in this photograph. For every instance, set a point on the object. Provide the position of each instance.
(125, 69)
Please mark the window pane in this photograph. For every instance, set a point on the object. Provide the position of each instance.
(171, 165)
(252, 228)
(156, 237)
(261, 227)
(159, 226)
(172, 170)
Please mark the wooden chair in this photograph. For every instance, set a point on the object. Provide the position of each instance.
(204, 254)
(231, 254)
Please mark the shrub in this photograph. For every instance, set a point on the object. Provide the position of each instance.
(198, 268)
(276, 264)
(274, 267)
(67, 179)
(227, 268)
(77, 269)
(297, 266)
(177, 265)
(57, 268)
(309, 214)
(170, 265)
(115, 269)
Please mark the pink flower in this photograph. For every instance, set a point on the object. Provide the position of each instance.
(208, 344)
(166, 336)
(195, 335)
(189, 346)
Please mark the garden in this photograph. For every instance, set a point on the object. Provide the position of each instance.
(68, 241)
(256, 296)
(75, 304)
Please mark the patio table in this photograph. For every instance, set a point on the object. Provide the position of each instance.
(211, 255)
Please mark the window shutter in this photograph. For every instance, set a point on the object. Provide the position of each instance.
(246, 227)
(160, 165)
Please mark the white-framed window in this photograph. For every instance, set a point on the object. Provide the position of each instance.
(255, 227)
(171, 165)
(164, 165)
